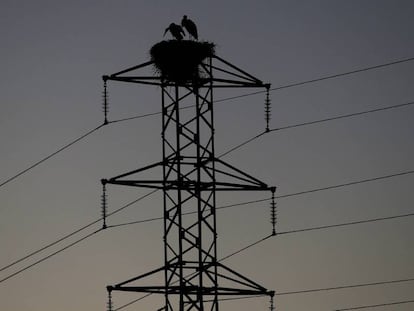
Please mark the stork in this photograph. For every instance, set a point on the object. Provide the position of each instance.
(190, 26)
(176, 31)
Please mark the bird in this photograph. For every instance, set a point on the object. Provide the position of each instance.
(190, 26)
(176, 31)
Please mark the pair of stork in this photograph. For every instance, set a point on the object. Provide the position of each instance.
(177, 31)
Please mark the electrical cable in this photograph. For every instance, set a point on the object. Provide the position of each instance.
(295, 231)
(51, 155)
(242, 144)
(351, 183)
(219, 100)
(246, 247)
(49, 245)
(229, 98)
(188, 213)
(132, 302)
(222, 259)
(286, 127)
(321, 78)
(49, 256)
(283, 86)
(346, 224)
(343, 287)
(298, 291)
(277, 197)
(341, 116)
(355, 182)
(378, 305)
(343, 74)
(259, 135)
(238, 298)
(76, 231)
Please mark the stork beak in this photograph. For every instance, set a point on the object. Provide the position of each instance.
(165, 32)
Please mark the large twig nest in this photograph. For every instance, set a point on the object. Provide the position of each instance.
(179, 61)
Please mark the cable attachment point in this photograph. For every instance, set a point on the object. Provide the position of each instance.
(268, 108)
(109, 303)
(104, 203)
(105, 101)
(272, 303)
(273, 211)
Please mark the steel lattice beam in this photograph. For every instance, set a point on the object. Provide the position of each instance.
(191, 176)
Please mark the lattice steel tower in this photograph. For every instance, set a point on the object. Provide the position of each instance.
(194, 278)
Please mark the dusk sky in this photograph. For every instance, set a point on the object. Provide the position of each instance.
(53, 54)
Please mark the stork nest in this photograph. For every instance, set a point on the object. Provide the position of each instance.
(179, 61)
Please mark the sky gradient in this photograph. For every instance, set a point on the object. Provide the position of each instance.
(53, 56)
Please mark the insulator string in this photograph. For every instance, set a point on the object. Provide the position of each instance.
(268, 108)
(109, 304)
(105, 102)
(104, 204)
(273, 211)
(272, 303)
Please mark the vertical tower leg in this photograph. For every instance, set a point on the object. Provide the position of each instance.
(194, 279)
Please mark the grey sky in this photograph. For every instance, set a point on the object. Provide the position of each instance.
(52, 56)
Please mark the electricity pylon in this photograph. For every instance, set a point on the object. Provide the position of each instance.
(194, 278)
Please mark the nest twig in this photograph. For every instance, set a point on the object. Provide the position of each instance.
(179, 61)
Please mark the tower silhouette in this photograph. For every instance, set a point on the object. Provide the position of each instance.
(192, 175)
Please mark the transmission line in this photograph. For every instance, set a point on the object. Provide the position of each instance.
(50, 155)
(284, 86)
(75, 232)
(343, 116)
(378, 305)
(228, 206)
(222, 259)
(346, 73)
(49, 256)
(226, 99)
(289, 292)
(342, 287)
(220, 100)
(351, 183)
(346, 224)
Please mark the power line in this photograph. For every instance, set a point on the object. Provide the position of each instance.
(132, 302)
(246, 247)
(378, 305)
(49, 245)
(221, 100)
(49, 256)
(188, 213)
(278, 197)
(345, 224)
(351, 183)
(343, 116)
(242, 144)
(229, 98)
(222, 259)
(51, 155)
(321, 78)
(238, 251)
(135, 117)
(238, 298)
(283, 293)
(342, 287)
(284, 86)
(346, 73)
(73, 233)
